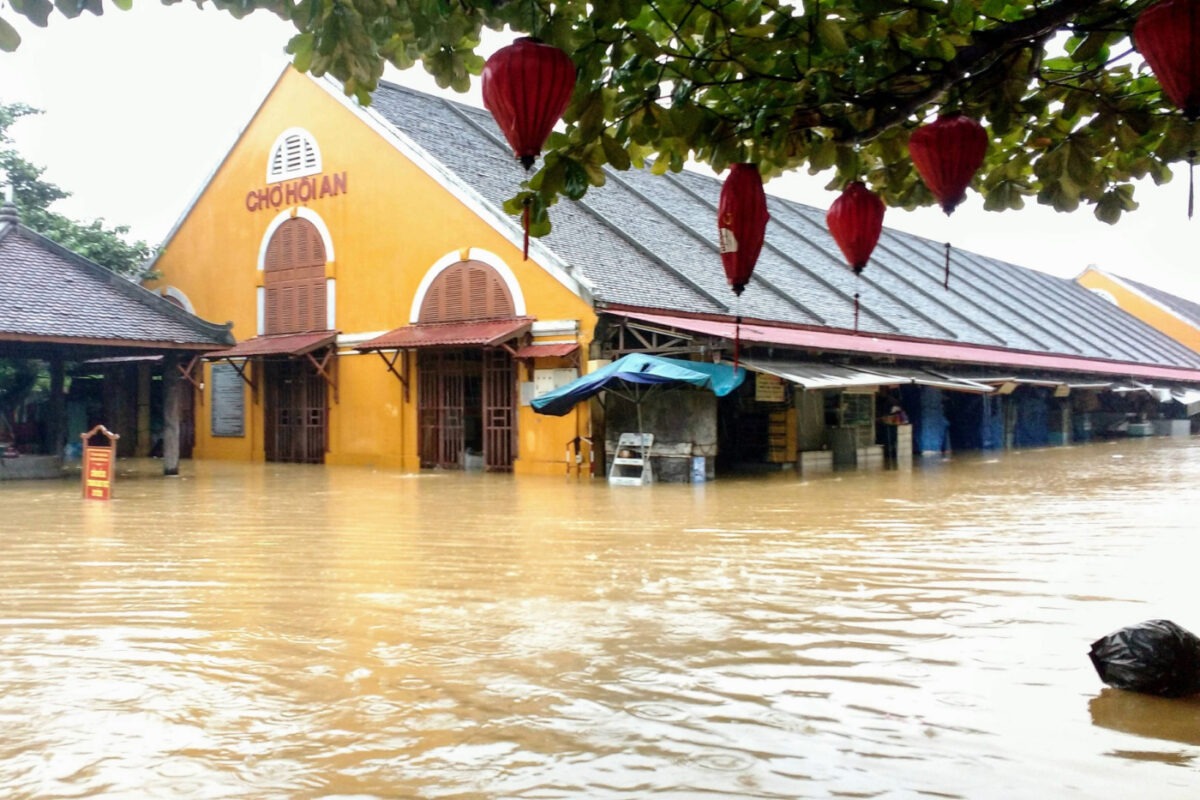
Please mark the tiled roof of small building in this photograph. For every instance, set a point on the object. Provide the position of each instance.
(650, 242)
(48, 293)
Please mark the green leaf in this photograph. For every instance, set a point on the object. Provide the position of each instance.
(575, 181)
(616, 155)
(301, 48)
(36, 11)
(1090, 47)
(595, 173)
(10, 40)
(829, 33)
(1114, 203)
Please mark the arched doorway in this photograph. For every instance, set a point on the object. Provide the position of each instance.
(295, 396)
(466, 400)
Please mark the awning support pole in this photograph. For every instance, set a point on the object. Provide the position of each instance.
(240, 369)
(397, 355)
(327, 368)
(187, 374)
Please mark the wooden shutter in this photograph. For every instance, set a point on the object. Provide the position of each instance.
(294, 279)
(468, 290)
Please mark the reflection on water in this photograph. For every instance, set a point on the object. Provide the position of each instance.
(1143, 715)
(289, 631)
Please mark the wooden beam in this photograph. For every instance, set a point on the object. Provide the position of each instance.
(188, 374)
(397, 355)
(327, 368)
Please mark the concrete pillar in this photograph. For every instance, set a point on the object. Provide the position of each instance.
(172, 400)
(1010, 421)
(144, 379)
(56, 435)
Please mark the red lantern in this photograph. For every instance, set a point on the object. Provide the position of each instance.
(1168, 34)
(741, 223)
(527, 86)
(856, 219)
(947, 153)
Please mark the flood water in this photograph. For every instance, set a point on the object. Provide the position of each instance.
(279, 631)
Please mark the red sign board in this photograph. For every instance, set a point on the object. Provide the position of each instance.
(98, 464)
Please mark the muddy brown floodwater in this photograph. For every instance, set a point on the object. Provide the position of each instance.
(278, 631)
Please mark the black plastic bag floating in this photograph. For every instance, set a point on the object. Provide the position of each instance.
(1154, 657)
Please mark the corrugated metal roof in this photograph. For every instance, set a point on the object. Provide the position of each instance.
(649, 242)
(282, 344)
(449, 334)
(815, 376)
(826, 341)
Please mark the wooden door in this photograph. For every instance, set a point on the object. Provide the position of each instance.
(440, 395)
(499, 410)
(296, 410)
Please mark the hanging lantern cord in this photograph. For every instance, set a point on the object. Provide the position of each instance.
(946, 280)
(737, 330)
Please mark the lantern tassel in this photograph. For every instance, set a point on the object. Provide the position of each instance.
(1191, 182)
(737, 329)
(946, 280)
(856, 312)
(525, 225)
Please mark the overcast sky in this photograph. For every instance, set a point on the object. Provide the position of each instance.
(141, 106)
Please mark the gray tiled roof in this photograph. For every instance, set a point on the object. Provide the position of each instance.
(1186, 309)
(650, 242)
(49, 293)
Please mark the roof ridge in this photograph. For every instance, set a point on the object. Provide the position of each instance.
(220, 331)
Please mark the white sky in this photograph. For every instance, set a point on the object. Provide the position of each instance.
(141, 106)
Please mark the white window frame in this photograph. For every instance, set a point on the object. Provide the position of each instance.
(294, 154)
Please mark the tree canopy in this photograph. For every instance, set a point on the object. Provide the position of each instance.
(832, 86)
(33, 197)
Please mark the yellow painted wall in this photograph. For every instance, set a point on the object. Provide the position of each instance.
(1142, 307)
(392, 224)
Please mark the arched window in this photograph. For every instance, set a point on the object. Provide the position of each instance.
(294, 279)
(177, 297)
(468, 290)
(294, 154)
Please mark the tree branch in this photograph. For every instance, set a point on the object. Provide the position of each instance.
(990, 45)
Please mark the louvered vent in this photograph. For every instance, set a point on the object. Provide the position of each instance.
(468, 290)
(294, 155)
(294, 279)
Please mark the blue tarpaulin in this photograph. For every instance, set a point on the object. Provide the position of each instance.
(635, 370)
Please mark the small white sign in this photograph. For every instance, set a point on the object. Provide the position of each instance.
(545, 380)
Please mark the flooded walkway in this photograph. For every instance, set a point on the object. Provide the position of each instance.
(249, 631)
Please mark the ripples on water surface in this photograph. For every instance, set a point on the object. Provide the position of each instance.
(304, 632)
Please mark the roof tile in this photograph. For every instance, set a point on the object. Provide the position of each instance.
(648, 241)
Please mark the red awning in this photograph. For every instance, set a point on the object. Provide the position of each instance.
(801, 338)
(448, 334)
(284, 344)
(551, 350)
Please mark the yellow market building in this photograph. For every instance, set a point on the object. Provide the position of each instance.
(1174, 316)
(385, 314)
(321, 232)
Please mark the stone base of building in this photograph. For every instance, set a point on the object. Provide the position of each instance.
(30, 468)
